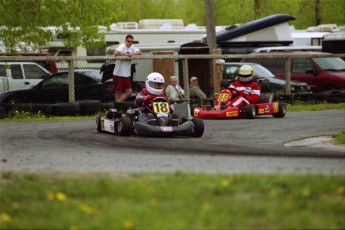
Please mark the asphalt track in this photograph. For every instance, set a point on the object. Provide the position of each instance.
(262, 145)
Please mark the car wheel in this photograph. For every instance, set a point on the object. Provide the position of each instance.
(250, 111)
(198, 127)
(13, 108)
(3, 113)
(124, 126)
(282, 110)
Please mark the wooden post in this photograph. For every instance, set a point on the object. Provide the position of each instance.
(71, 91)
(288, 75)
(218, 72)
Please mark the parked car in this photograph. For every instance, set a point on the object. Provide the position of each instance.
(47, 64)
(286, 49)
(54, 89)
(94, 73)
(321, 73)
(20, 75)
(276, 85)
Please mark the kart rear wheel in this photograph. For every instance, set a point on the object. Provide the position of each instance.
(282, 110)
(198, 127)
(124, 126)
(98, 124)
(250, 111)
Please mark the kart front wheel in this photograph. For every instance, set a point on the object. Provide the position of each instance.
(281, 110)
(198, 127)
(124, 126)
(250, 111)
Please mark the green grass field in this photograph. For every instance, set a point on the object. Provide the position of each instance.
(172, 201)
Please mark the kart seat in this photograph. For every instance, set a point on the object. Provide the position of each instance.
(265, 98)
(266, 92)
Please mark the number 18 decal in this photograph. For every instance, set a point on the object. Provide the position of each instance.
(160, 107)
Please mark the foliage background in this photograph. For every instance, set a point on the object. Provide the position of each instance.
(23, 22)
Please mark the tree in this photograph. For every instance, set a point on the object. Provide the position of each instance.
(33, 22)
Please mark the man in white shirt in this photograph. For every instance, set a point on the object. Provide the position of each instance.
(122, 71)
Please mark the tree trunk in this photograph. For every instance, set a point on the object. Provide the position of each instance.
(317, 12)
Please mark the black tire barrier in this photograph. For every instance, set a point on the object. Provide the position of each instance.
(89, 107)
(336, 100)
(106, 106)
(66, 109)
(12, 108)
(3, 113)
(45, 109)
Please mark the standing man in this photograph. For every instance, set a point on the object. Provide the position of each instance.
(122, 71)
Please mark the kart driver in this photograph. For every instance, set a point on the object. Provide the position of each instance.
(245, 90)
(154, 87)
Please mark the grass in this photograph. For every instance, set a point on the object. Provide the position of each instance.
(300, 106)
(172, 201)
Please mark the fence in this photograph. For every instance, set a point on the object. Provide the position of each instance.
(208, 68)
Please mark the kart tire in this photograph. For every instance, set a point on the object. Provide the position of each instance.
(124, 126)
(282, 110)
(99, 123)
(250, 111)
(198, 127)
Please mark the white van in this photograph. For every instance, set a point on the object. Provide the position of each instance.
(20, 75)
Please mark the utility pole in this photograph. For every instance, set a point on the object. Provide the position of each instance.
(210, 25)
(215, 69)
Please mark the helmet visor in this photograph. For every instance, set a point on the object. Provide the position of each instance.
(156, 85)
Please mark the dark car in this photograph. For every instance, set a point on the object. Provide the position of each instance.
(54, 89)
(276, 85)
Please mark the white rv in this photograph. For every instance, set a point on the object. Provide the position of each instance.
(148, 33)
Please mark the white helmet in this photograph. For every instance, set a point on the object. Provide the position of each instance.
(155, 83)
(246, 74)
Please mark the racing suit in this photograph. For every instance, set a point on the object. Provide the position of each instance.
(142, 100)
(244, 93)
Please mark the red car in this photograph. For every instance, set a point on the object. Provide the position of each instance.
(217, 111)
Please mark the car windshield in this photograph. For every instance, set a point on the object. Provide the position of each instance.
(95, 74)
(261, 71)
(231, 71)
(331, 63)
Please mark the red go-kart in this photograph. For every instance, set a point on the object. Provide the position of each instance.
(221, 110)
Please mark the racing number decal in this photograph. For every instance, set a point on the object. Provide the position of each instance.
(223, 97)
(160, 107)
(275, 107)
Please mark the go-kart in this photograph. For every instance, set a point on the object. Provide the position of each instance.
(221, 110)
(161, 122)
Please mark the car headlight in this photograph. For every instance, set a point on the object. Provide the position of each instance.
(292, 88)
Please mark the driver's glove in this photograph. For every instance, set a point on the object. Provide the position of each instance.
(147, 99)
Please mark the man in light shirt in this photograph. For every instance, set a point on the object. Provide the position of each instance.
(122, 71)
